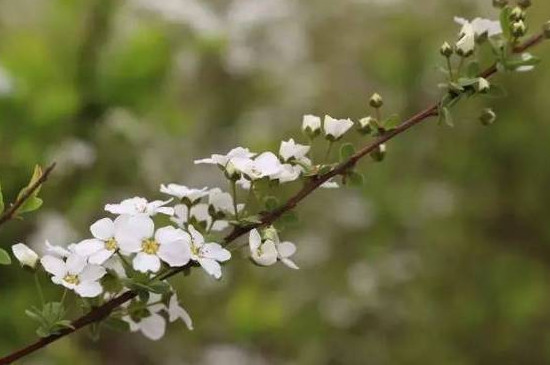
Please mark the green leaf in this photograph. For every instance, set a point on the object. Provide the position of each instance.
(346, 151)
(33, 202)
(117, 324)
(505, 21)
(392, 122)
(496, 91)
(355, 179)
(271, 203)
(472, 69)
(4, 257)
(445, 116)
(465, 82)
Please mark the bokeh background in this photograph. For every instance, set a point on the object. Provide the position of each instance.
(443, 257)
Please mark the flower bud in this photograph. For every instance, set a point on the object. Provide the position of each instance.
(311, 126)
(500, 3)
(483, 85)
(524, 3)
(446, 50)
(231, 172)
(518, 29)
(546, 29)
(367, 125)
(25, 255)
(517, 14)
(487, 116)
(376, 101)
(379, 153)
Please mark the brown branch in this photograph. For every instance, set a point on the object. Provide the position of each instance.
(12, 210)
(103, 311)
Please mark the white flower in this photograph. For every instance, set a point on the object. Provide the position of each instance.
(481, 26)
(467, 41)
(330, 184)
(336, 128)
(140, 206)
(265, 165)
(263, 253)
(483, 85)
(285, 250)
(75, 274)
(208, 255)
(243, 183)
(25, 255)
(201, 215)
(288, 173)
(311, 124)
(526, 57)
(106, 234)
(220, 201)
(222, 160)
(168, 244)
(176, 311)
(153, 326)
(292, 150)
(183, 193)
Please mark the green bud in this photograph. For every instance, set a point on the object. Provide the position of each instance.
(487, 116)
(379, 153)
(367, 125)
(446, 50)
(524, 3)
(376, 101)
(517, 14)
(546, 29)
(500, 3)
(518, 29)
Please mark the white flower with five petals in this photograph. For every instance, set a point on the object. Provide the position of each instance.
(167, 244)
(75, 274)
(208, 255)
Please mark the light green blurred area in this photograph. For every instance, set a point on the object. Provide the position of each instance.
(443, 257)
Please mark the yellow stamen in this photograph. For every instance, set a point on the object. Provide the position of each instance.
(150, 246)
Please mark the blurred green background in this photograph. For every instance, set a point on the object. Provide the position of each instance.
(442, 258)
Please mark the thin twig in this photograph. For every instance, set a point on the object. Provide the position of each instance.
(12, 210)
(103, 311)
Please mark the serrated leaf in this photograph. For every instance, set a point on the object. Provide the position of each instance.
(346, 151)
(5, 258)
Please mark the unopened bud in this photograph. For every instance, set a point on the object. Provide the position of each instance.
(524, 3)
(500, 3)
(311, 126)
(517, 14)
(487, 116)
(546, 29)
(483, 85)
(446, 50)
(231, 172)
(379, 153)
(518, 29)
(376, 101)
(367, 125)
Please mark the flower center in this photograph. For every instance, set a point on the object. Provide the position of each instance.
(111, 244)
(150, 246)
(72, 279)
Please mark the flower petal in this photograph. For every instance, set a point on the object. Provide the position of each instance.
(286, 249)
(254, 240)
(89, 247)
(175, 253)
(54, 265)
(92, 273)
(103, 229)
(144, 262)
(171, 234)
(153, 327)
(89, 289)
(212, 267)
(75, 263)
(216, 252)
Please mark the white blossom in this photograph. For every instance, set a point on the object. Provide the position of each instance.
(264, 165)
(467, 42)
(526, 57)
(292, 150)
(208, 255)
(200, 213)
(25, 255)
(75, 274)
(311, 124)
(262, 252)
(106, 234)
(154, 325)
(183, 193)
(336, 128)
(223, 160)
(481, 26)
(140, 206)
(58, 251)
(168, 244)
(220, 201)
(176, 311)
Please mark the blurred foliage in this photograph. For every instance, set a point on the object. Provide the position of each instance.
(442, 258)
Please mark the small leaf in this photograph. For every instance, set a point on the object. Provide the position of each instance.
(445, 116)
(392, 122)
(4, 257)
(271, 203)
(355, 179)
(505, 21)
(472, 70)
(346, 151)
